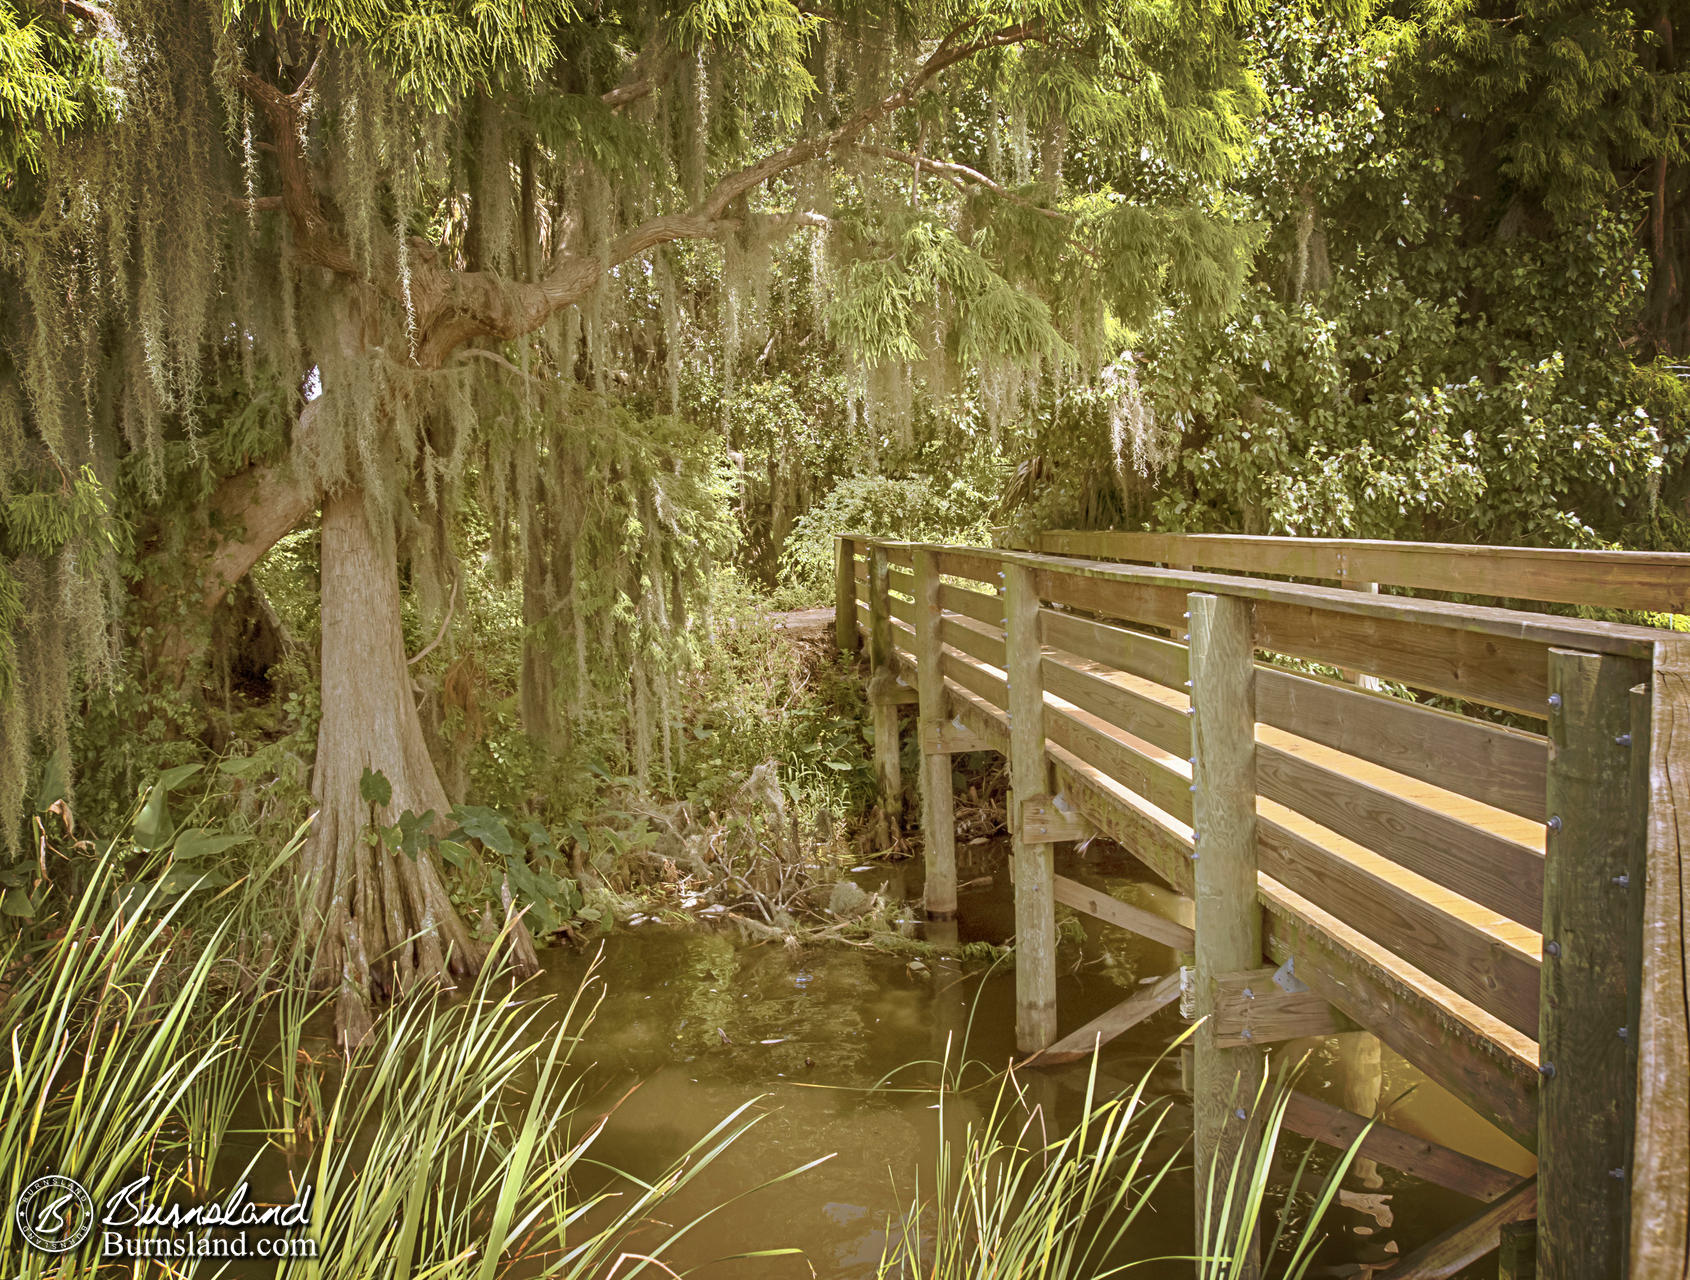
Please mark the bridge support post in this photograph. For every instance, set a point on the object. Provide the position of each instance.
(1034, 864)
(1229, 920)
(845, 594)
(938, 818)
(1592, 886)
(883, 705)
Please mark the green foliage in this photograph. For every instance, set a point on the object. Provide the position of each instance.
(916, 508)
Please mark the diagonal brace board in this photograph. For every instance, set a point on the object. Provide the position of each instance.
(1105, 1027)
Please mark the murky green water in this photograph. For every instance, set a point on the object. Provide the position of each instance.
(701, 1022)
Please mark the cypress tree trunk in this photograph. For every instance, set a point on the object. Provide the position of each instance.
(384, 921)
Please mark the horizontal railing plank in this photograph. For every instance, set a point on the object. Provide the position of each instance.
(897, 580)
(1637, 580)
(1092, 741)
(981, 566)
(1505, 768)
(1125, 708)
(901, 609)
(1483, 867)
(972, 604)
(978, 679)
(1167, 662)
(974, 639)
(1469, 961)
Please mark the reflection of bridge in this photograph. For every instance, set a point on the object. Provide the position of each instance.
(1506, 907)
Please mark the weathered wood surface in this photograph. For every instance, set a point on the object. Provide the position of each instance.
(1229, 918)
(1466, 1243)
(1487, 868)
(883, 704)
(1516, 1251)
(974, 639)
(1251, 1010)
(845, 595)
(1484, 762)
(1406, 919)
(1641, 580)
(1477, 1058)
(1660, 1181)
(1107, 1026)
(973, 604)
(948, 738)
(938, 820)
(980, 566)
(1035, 896)
(901, 582)
(1124, 915)
(1042, 821)
(1135, 652)
(1310, 1117)
(1583, 1120)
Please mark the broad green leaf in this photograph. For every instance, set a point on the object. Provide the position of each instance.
(375, 788)
(198, 842)
(170, 779)
(152, 825)
(16, 903)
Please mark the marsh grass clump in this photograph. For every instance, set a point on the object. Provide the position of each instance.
(1013, 1193)
(452, 1141)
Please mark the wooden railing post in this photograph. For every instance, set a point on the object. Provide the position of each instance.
(938, 820)
(883, 705)
(1034, 864)
(1229, 919)
(845, 594)
(1660, 1207)
(1587, 1097)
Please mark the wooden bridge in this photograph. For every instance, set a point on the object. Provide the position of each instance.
(1459, 826)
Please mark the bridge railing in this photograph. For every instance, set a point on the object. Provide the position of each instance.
(1477, 895)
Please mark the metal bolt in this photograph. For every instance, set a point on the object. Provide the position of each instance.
(1617, 1173)
(1249, 994)
(1622, 880)
(1547, 1071)
(1552, 948)
(1554, 702)
(1625, 1033)
(1191, 760)
(1247, 1034)
(1554, 823)
(1242, 1114)
(1624, 740)
(1191, 711)
(1192, 787)
(1188, 684)
(1187, 614)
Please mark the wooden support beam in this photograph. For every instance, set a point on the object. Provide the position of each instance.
(1584, 1119)
(1035, 895)
(1229, 919)
(1105, 1027)
(1043, 821)
(1660, 1183)
(883, 707)
(845, 595)
(1465, 1244)
(948, 738)
(1516, 1251)
(1309, 1117)
(938, 819)
(1251, 1009)
(1123, 915)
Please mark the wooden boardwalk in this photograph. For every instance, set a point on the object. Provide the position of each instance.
(1502, 906)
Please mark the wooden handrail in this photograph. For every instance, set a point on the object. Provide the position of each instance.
(1649, 581)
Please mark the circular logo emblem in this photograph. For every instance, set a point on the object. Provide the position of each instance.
(54, 1213)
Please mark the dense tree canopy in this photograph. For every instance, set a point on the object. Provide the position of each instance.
(400, 259)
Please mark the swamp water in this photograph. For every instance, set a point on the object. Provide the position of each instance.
(701, 1022)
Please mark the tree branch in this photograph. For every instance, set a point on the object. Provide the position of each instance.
(959, 176)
